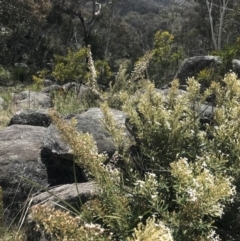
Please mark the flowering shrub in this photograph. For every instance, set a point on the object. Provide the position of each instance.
(166, 55)
(152, 231)
(63, 226)
(181, 180)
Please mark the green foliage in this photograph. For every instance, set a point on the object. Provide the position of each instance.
(113, 206)
(104, 74)
(78, 66)
(198, 197)
(72, 67)
(38, 80)
(206, 76)
(68, 103)
(175, 178)
(4, 74)
(7, 109)
(216, 73)
(174, 189)
(165, 57)
(7, 233)
(163, 133)
(182, 177)
(227, 54)
(121, 83)
(162, 45)
(128, 83)
(168, 128)
(20, 73)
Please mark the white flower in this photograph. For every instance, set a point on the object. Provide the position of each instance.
(213, 236)
(168, 125)
(139, 183)
(154, 196)
(151, 175)
(192, 194)
(204, 164)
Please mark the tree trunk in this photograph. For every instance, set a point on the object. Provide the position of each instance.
(209, 6)
(222, 10)
(222, 13)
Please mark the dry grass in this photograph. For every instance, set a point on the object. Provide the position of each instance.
(4, 118)
(8, 108)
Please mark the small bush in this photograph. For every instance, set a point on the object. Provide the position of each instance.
(206, 76)
(104, 74)
(72, 67)
(4, 75)
(7, 109)
(227, 54)
(8, 233)
(38, 80)
(67, 103)
(20, 73)
(165, 58)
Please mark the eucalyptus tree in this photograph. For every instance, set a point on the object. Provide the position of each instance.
(85, 11)
(217, 12)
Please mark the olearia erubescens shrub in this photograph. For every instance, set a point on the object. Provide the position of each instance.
(152, 231)
(194, 181)
(184, 179)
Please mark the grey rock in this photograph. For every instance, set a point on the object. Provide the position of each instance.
(22, 65)
(87, 122)
(69, 193)
(32, 100)
(166, 91)
(57, 154)
(1, 103)
(192, 66)
(47, 82)
(52, 88)
(54, 146)
(206, 112)
(74, 87)
(236, 66)
(91, 121)
(71, 86)
(20, 160)
(31, 117)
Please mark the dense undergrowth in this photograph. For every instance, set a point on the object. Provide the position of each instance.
(181, 183)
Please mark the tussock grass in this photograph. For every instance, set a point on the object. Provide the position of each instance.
(7, 109)
(4, 118)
